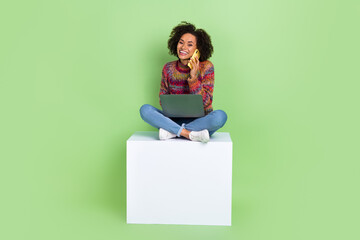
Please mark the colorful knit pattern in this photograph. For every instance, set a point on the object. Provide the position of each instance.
(175, 77)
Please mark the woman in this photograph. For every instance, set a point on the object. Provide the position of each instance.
(178, 78)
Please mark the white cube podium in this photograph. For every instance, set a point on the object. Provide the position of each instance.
(178, 181)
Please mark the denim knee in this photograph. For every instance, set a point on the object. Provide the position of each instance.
(220, 118)
(145, 110)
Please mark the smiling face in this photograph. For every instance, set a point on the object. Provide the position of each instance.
(186, 47)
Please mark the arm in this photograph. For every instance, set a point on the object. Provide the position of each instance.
(203, 84)
(164, 87)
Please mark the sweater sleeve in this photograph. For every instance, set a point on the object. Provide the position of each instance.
(204, 85)
(164, 86)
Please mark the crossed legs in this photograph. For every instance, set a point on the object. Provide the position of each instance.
(183, 126)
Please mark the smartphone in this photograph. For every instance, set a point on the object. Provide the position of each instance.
(196, 53)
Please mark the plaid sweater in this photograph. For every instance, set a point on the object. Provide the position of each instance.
(174, 81)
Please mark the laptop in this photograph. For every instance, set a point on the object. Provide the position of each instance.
(182, 105)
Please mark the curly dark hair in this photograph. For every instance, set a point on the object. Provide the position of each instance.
(203, 40)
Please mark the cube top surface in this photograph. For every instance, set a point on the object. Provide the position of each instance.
(154, 136)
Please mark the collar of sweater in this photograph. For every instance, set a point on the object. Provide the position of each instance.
(181, 67)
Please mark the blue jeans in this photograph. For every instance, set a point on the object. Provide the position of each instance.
(155, 117)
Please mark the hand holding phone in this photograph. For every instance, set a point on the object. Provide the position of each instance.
(196, 53)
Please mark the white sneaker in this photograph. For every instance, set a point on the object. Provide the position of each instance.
(163, 134)
(200, 136)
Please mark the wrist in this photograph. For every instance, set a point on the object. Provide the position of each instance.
(192, 79)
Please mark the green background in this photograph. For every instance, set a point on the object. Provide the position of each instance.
(74, 74)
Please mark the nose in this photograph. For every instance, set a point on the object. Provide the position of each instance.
(182, 47)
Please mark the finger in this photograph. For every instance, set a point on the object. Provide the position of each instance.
(197, 62)
(192, 63)
(195, 66)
